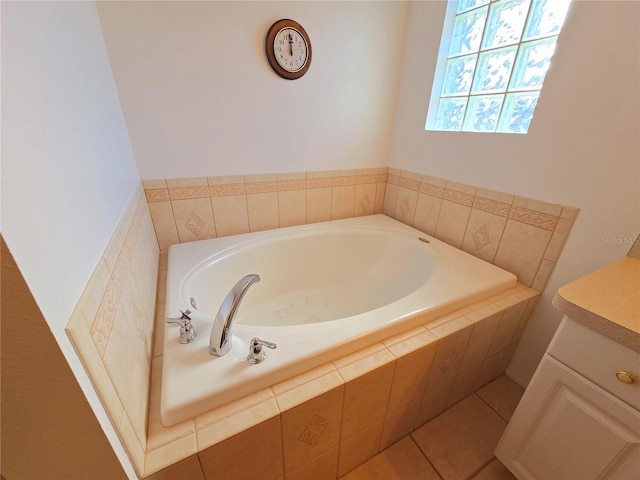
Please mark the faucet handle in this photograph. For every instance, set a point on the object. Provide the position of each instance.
(256, 355)
(187, 332)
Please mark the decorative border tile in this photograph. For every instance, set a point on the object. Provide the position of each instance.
(535, 219)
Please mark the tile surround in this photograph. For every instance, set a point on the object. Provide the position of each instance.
(112, 327)
(200, 208)
(337, 416)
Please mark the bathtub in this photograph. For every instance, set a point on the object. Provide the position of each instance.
(326, 290)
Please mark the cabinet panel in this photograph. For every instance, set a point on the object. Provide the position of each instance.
(598, 358)
(566, 427)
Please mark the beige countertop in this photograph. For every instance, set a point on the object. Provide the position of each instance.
(606, 301)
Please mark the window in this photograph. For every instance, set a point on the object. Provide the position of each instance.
(494, 55)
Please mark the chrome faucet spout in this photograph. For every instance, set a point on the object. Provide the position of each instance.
(220, 340)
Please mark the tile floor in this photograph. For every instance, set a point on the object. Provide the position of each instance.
(456, 445)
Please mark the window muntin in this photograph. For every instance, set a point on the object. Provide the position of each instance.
(491, 74)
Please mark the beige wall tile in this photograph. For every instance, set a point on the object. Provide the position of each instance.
(447, 360)
(406, 205)
(318, 204)
(311, 429)
(363, 361)
(492, 368)
(358, 449)
(552, 209)
(167, 455)
(411, 341)
(258, 449)
(129, 368)
(230, 214)
(506, 328)
(263, 210)
(427, 213)
(234, 417)
(365, 400)
(164, 224)
(322, 467)
(452, 222)
(194, 219)
(558, 239)
(410, 377)
(292, 207)
(482, 334)
(380, 194)
(136, 452)
(365, 199)
(433, 404)
(305, 387)
(94, 291)
(390, 199)
(465, 384)
(483, 234)
(543, 274)
(342, 200)
(100, 379)
(521, 250)
(399, 423)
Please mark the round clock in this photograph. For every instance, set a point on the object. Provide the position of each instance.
(288, 49)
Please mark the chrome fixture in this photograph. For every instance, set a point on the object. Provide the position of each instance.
(220, 340)
(187, 332)
(256, 355)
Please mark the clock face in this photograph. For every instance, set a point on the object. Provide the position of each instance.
(288, 49)
(291, 50)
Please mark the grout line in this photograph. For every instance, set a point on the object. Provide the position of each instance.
(425, 456)
(479, 470)
(488, 404)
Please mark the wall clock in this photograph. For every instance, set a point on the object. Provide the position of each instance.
(288, 49)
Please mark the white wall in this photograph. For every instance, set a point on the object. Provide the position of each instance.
(582, 149)
(200, 98)
(68, 170)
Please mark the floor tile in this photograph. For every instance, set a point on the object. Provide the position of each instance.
(503, 395)
(494, 471)
(401, 461)
(462, 439)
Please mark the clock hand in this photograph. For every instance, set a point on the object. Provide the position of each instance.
(290, 45)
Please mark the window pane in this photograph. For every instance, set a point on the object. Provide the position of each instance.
(482, 113)
(467, 32)
(546, 18)
(532, 64)
(494, 70)
(450, 113)
(464, 5)
(505, 23)
(518, 112)
(459, 75)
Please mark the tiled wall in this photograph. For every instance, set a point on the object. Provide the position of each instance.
(190, 209)
(521, 235)
(327, 421)
(111, 327)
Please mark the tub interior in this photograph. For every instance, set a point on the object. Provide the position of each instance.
(314, 278)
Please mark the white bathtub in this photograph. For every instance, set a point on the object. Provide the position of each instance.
(326, 290)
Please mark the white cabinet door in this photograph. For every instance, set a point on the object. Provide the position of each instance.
(567, 428)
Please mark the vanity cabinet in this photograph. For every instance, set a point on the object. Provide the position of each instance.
(579, 417)
(567, 426)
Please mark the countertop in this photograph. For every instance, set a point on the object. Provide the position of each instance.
(607, 301)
